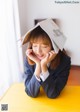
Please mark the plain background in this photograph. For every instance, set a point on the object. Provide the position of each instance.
(68, 16)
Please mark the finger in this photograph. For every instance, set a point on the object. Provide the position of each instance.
(50, 54)
(47, 55)
(53, 52)
(29, 51)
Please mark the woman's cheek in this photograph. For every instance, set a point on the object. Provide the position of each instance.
(46, 51)
(34, 49)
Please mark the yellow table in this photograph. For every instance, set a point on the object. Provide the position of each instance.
(18, 101)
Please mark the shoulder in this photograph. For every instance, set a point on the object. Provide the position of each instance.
(64, 66)
(65, 62)
(65, 58)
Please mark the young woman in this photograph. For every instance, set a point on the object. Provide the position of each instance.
(44, 67)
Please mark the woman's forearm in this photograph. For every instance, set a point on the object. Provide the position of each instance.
(37, 70)
(44, 68)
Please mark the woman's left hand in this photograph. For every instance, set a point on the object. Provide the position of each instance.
(49, 57)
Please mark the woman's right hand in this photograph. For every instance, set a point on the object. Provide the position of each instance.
(32, 56)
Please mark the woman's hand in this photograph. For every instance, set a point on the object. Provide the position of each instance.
(32, 56)
(49, 57)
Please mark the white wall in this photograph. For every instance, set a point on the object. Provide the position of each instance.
(68, 16)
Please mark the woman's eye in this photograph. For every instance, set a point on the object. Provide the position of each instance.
(44, 46)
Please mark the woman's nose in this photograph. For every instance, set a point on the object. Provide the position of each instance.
(39, 50)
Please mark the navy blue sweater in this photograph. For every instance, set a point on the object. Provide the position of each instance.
(53, 85)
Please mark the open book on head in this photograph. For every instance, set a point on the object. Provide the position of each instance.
(51, 28)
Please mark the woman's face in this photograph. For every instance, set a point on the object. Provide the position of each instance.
(40, 49)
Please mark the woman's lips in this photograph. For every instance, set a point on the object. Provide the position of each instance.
(40, 57)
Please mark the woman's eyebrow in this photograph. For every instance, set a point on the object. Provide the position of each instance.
(45, 44)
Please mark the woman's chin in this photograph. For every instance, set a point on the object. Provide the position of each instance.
(40, 58)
